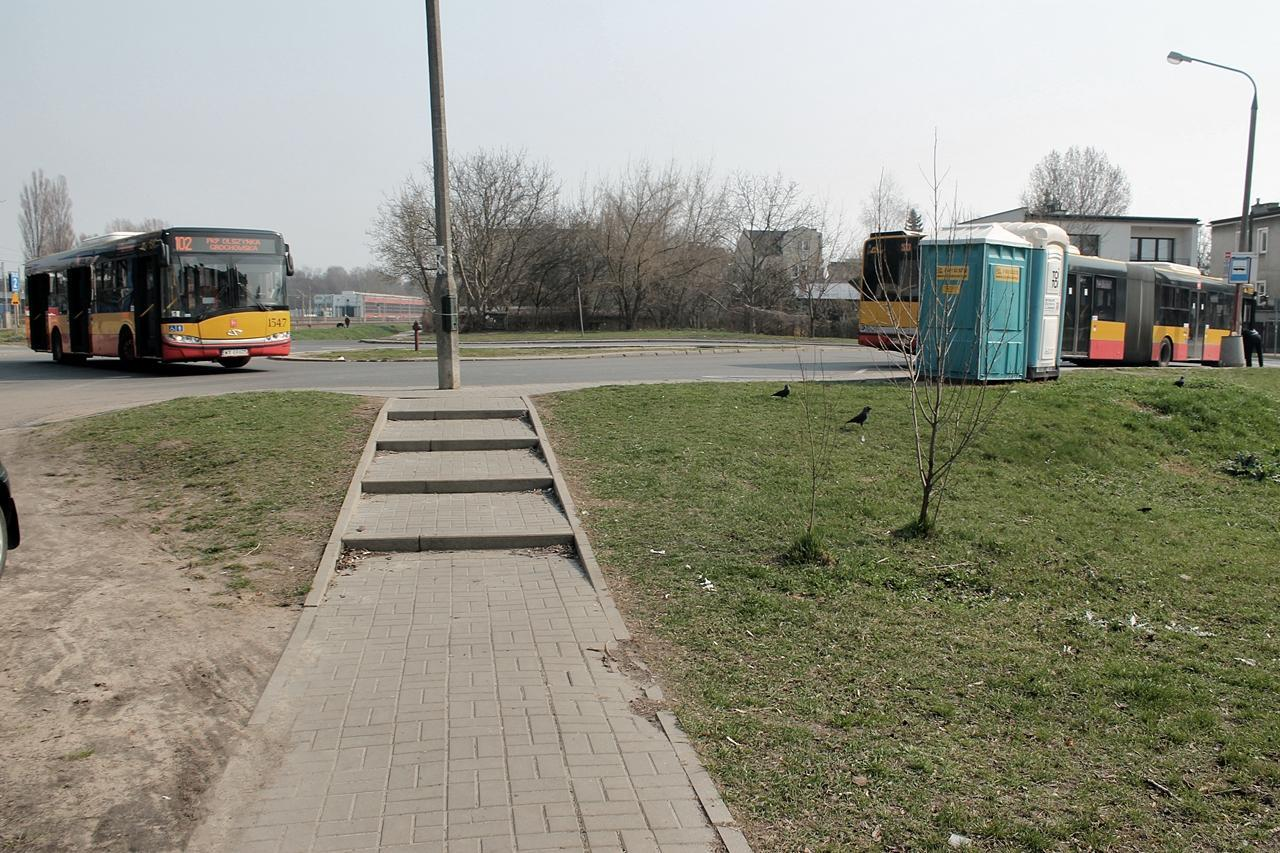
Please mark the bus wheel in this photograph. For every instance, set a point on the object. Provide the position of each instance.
(233, 363)
(56, 348)
(1166, 352)
(128, 355)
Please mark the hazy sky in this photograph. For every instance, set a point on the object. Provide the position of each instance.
(299, 116)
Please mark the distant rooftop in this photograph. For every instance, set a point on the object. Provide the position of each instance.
(1021, 213)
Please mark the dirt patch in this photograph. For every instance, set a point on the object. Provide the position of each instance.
(124, 673)
(1180, 466)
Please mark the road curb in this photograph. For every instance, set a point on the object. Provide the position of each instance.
(712, 803)
(303, 358)
(580, 541)
(333, 550)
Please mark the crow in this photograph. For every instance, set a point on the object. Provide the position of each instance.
(860, 418)
(783, 394)
(1182, 380)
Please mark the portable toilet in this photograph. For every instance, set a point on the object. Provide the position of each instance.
(973, 303)
(1045, 302)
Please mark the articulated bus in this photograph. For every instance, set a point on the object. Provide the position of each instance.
(1119, 312)
(179, 294)
(1138, 313)
(889, 307)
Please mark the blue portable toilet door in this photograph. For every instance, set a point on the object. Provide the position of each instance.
(1006, 304)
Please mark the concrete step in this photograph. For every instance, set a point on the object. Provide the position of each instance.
(469, 434)
(443, 471)
(472, 408)
(435, 522)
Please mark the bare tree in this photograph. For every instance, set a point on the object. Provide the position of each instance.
(1081, 182)
(565, 268)
(501, 202)
(777, 245)
(403, 234)
(648, 223)
(948, 414)
(885, 208)
(816, 287)
(45, 216)
(816, 436)
(151, 223)
(1204, 249)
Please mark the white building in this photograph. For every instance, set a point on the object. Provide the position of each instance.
(1121, 238)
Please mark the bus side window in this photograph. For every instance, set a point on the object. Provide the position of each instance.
(104, 297)
(1173, 305)
(58, 291)
(124, 293)
(1104, 298)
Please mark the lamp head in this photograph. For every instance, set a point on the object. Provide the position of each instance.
(1176, 58)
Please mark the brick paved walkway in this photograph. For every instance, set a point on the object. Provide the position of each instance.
(461, 701)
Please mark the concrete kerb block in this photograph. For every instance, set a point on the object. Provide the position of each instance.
(452, 487)
(712, 803)
(333, 549)
(494, 541)
(382, 543)
(586, 555)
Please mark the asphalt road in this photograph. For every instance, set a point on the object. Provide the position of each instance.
(34, 390)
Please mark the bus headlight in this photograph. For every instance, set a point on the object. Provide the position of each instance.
(183, 339)
(278, 336)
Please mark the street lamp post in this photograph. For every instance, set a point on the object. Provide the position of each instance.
(1245, 243)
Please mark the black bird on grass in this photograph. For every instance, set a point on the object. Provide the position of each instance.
(860, 418)
(783, 394)
(1182, 380)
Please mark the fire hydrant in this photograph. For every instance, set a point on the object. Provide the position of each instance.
(417, 327)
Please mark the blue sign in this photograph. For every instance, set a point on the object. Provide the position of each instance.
(13, 282)
(1240, 268)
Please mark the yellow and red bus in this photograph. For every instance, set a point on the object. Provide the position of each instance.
(1139, 313)
(889, 290)
(1120, 312)
(178, 294)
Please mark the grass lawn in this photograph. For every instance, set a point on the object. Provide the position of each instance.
(246, 486)
(362, 331)
(1054, 669)
(645, 334)
(13, 336)
(355, 332)
(407, 354)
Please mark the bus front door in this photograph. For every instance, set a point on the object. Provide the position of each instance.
(146, 310)
(79, 295)
(38, 310)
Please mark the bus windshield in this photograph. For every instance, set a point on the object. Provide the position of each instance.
(203, 285)
(889, 268)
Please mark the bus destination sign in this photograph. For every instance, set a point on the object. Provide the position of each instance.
(224, 243)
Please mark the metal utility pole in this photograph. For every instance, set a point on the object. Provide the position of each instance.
(445, 296)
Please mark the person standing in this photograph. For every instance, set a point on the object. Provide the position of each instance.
(1252, 345)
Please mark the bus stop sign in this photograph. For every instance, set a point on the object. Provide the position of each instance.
(1240, 268)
